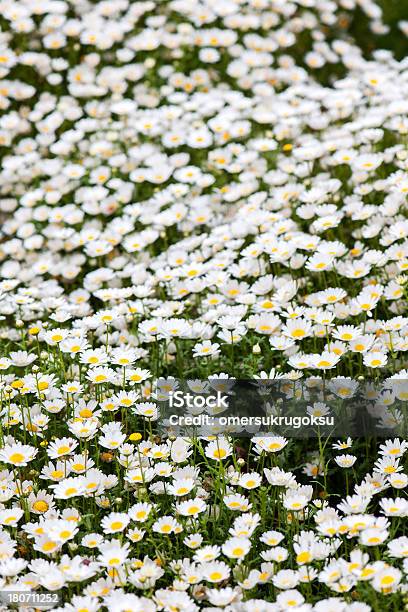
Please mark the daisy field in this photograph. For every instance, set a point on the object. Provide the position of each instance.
(202, 192)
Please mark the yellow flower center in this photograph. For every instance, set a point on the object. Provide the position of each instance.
(63, 449)
(114, 561)
(85, 413)
(57, 473)
(117, 525)
(100, 378)
(304, 557)
(40, 506)
(17, 458)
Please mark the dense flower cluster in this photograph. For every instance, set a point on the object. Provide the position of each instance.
(192, 189)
